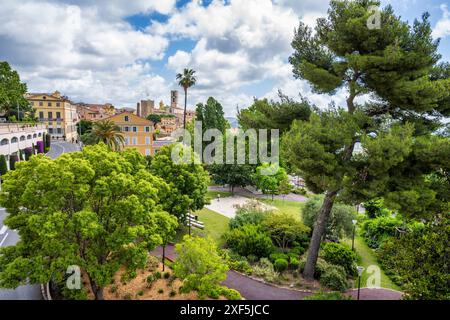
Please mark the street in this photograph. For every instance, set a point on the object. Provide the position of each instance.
(10, 237)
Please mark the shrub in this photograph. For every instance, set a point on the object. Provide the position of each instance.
(265, 269)
(157, 275)
(321, 265)
(113, 288)
(335, 278)
(376, 231)
(340, 222)
(300, 191)
(230, 294)
(200, 264)
(172, 293)
(252, 212)
(150, 279)
(341, 255)
(236, 261)
(127, 296)
(166, 275)
(294, 263)
(160, 291)
(152, 263)
(297, 250)
(140, 293)
(276, 256)
(280, 265)
(252, 258)
(12, 162)
(321, 295)
(249, 240)
(284, 229)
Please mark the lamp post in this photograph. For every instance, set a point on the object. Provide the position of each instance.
(353, 238)
(360, 271)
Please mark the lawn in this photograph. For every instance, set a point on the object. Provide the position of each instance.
(215, 226)
(367, 258)
(212, 194)
(291, 207)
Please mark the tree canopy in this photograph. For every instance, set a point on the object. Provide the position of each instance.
(95, 209)
(12, 92)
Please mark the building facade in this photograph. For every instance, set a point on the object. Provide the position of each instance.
(57, 112)
(92, 112)
(16, 137)
(137, 131)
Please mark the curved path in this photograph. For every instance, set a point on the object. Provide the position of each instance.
(246, 193)
(252, 289)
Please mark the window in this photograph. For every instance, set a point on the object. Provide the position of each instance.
(59, 131)
(58, 104)
(126, 129)
(127, 118)
(22, 138)
(58, 115)
(29, 137)
(147, 140)
(50, 130)
(41, 115)
(13, 140)
(50, 115)
(147, 129)
(4, 142)
(135, 141)
(127, 141)
(135, 129)
(147, 152)
(41, 104)
(49, 104)
(31, 103)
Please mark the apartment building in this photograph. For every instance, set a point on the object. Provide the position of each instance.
(57, 112)
(92, 112)
(137, 131)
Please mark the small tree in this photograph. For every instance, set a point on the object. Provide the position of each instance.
(200, 264)
(167, 225)
(269, 183)
(12, 162)
(3, 165)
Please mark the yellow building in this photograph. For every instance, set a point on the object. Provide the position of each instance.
(137, 131)
(57, 112)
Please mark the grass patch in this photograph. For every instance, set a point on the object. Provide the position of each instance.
(215, 226)
(212, 194)
(368, 258)
(292, 207)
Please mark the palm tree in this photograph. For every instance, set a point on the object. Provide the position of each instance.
(109, 133)
(186, 80)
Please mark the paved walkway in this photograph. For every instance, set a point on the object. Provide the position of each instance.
(58, 147)
(246, 193)
(227, 206)
(252, 289)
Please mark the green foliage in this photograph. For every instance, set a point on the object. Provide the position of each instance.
(200, 264)
(12, 92)
(188, 181)
(252, 212)
(280, 265)
(419, 261)
(84, 126)
(341, 255)
(105, 131)
(375, 231)
(269, 183)
(375, 208)
(265, 114)
(335, 278)
(278, 255)
(249, 239)
(3, 165)
(321, 295)
(94, 208)
(340, 222)
(265, 270)
(211, 115)
(236, 261)
(13, 159)
(294, 263)
(284, 229)
(234, 175)
(230, 294)
(321, 266)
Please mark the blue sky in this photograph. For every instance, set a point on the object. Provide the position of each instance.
(123, 51)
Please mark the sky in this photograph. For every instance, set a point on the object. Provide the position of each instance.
(122, 51)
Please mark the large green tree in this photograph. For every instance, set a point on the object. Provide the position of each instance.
(269, 183)
(12, 93)
(95, 209)
(105, 131)
(396, 67)
(188, 181)
(211, 115)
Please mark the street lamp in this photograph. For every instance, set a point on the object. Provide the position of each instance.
(353, 238)
(360, 271)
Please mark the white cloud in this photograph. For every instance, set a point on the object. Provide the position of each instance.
(442, 28)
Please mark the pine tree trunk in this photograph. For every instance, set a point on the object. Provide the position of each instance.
(319, 231)
(98, 291)
(164, 257)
